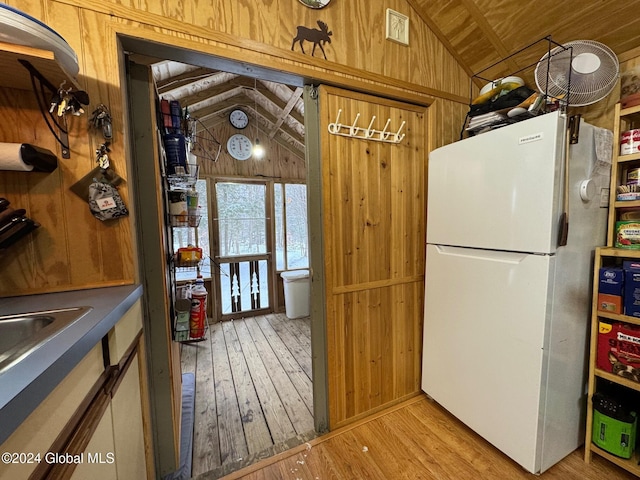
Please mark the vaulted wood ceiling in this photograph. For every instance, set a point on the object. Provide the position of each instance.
(478, 33)
(210, 95)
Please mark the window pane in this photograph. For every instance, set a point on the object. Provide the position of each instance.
(203, 228)
(241, 218)
(296, 218)
(277, 200)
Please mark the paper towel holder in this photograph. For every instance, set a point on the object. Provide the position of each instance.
(41, 159)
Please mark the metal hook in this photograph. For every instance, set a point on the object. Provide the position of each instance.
(335, 127)
(369, 133)
(384, 134)
(353, 130)
(397, 136)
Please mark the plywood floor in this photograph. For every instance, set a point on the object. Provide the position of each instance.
(254, 395)
(415, 440)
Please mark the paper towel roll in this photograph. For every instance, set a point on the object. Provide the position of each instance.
(11, 159)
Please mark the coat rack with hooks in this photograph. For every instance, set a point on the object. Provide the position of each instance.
(336, 128)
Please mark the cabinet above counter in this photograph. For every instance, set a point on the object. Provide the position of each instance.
(24, 385)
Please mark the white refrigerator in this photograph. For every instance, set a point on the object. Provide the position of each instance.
(506, 309)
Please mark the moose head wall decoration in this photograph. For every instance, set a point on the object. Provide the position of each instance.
(318, 37)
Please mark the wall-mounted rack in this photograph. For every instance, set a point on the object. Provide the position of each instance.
(336, 128)
(41, 73)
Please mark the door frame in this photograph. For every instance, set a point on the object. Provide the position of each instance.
(141, 143)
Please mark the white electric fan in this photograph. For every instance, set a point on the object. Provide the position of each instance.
(580, 73)
(577, 73)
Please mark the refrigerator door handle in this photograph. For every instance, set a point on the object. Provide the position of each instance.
(513, 258)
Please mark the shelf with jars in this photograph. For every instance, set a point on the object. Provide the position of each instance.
(614, 355)
(624, 203)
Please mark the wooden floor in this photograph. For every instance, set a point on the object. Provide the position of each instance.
(415, 440)
(254, 395)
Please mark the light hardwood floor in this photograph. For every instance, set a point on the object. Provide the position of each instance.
(254, 394)
(415, 440)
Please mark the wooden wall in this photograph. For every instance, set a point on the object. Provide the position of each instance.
(72, 250)
(374, 230)
(279, 161)
(252, 31)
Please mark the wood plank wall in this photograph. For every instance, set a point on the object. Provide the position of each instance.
(278, 162)
(374, 228)
(72, 250)
(252, 31)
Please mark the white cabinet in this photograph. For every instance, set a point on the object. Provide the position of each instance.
(128, 430)
(93, 421)
(39, 431)
(101, 466)
(116, 447)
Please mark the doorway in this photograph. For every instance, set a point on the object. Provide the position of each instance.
(242, 248)
(385, 297)
(278, 333)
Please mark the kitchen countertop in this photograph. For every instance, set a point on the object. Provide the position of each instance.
(26, 384)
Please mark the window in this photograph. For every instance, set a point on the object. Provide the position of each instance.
(292, 238)
(242, 222)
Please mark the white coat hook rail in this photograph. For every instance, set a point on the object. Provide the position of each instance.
(369, 133)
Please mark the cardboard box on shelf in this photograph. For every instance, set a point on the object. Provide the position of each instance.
(609, 303)
(619, 349)
(630, 264)
(632, 293)
(611, 281)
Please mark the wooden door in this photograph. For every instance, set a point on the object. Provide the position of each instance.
(374, 204)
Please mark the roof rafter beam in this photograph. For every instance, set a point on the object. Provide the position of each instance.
(188, 88)
(285, 112)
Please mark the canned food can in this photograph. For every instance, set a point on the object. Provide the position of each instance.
(630, 142)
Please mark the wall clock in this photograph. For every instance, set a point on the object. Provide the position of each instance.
(238, 118)
(315, 3)
(239, 146)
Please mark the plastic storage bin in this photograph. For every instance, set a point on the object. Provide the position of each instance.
(296, 293)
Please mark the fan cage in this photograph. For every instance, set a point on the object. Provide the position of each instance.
(556, 75)
(547, 63)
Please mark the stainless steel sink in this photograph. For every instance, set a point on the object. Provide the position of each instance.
(23, 333)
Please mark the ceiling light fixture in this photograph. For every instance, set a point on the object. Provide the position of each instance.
(258, 150)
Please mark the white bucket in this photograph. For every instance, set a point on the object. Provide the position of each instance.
(297, 289)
